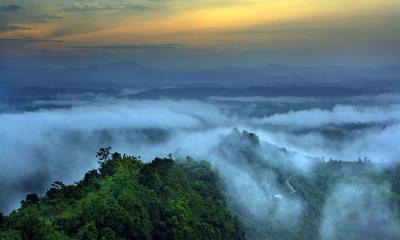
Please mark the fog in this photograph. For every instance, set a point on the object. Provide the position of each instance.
(338, 115)
(48, 144)
(359, 210)
(346, 132)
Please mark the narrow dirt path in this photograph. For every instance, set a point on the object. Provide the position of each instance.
(289, 185)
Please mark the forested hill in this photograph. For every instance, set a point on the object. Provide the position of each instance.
(164, 199)
(128, 199)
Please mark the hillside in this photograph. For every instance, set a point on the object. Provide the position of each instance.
(354, 200)
(128, 199)
(164, 199)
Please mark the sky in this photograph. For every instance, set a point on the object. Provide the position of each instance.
(172, 33)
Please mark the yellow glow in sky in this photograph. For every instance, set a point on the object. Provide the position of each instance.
(175, 21)
(239, 24)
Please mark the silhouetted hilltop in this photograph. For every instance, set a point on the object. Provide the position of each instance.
(128, 199)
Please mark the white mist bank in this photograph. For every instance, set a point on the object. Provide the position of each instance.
(47, 145)
(359, 211)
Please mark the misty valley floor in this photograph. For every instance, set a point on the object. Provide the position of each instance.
(280, 167)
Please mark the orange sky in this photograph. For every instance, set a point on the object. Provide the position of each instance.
(251, 24)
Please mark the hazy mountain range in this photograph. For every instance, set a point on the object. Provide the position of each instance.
(133, 75)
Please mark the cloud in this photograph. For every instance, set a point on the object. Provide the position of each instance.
(347, 132)
(245, 164)
(19, 41)
(60, 145)
(340, 114)
(132, 47)
(94, 7)
(276, 100)
(42, 18)
(11, 28)
(359, 210)
(33, 12)
(42, 146)
(11, 8)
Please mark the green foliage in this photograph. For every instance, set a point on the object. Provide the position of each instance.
(128, 199)
(314, 189)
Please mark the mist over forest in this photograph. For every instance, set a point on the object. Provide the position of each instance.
(292, 162)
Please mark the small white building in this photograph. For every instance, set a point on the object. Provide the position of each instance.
(277, 196)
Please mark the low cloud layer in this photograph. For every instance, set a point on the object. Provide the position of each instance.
(346, 132)
(359, 211)
(338, 115)
(40, 147)
(45, 145)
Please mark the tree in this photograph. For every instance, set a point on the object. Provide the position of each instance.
(128, 199)
(88, 232)
(103, 154)
(32, 198)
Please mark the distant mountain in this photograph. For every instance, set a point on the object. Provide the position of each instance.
(97, 76)
(130, 74)
(204, 92)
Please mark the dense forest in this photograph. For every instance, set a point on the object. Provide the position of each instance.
(128, 199)
(359, 208)
(329, 200)
(167, 199)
